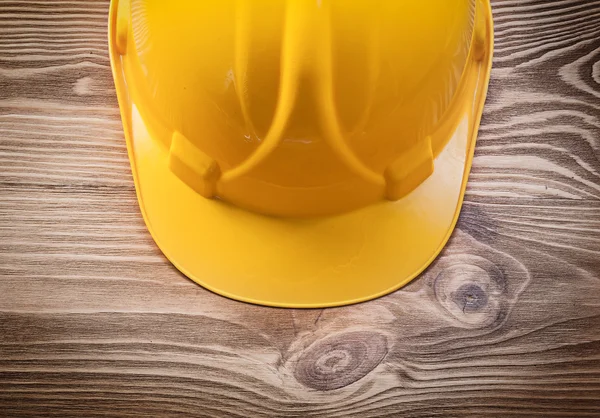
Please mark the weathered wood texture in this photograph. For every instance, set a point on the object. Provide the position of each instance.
(95, 321)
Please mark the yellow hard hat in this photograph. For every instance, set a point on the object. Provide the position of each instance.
(301, 153)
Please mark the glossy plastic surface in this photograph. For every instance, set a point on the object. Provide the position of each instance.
(352, 121)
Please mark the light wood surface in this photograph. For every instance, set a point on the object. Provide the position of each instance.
(95, 321)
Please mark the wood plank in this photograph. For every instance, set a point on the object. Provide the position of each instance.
(94, 321)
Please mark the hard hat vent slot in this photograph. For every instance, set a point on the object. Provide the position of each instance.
(123, 16)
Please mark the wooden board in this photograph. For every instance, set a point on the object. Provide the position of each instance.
(94, 320)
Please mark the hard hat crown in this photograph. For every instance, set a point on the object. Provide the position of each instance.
(300, 107)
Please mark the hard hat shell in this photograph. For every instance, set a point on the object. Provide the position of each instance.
(301, 153)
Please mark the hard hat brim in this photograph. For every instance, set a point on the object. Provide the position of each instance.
(301, 263)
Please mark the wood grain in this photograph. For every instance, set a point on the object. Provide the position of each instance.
(94, 321)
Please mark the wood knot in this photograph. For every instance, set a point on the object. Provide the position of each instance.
(471, 297)
(340, 360)
(472, 289)
(84, 86)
